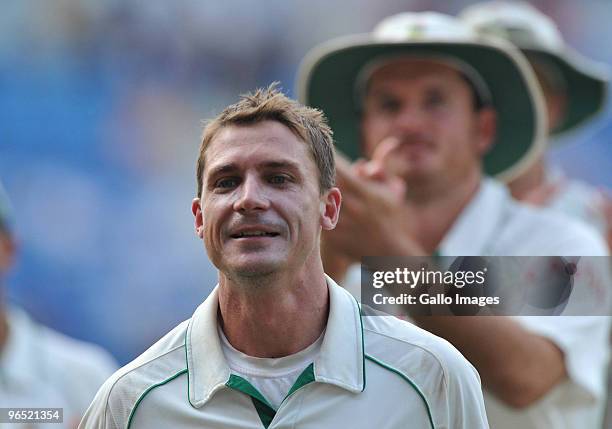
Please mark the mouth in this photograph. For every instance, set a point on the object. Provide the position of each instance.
(415, 149)
(418, 144)
(253, 234)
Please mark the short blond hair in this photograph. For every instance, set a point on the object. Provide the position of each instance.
(270, 104)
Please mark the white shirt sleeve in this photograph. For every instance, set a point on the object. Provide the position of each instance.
(98, 415)
(584, 343)
(464, 402)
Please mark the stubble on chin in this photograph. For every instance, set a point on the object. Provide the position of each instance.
(256, 276)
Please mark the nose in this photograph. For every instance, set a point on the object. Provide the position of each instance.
(251, 196)
(410, 119)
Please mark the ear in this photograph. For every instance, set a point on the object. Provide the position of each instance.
(330, 208)
(486, 129)
(556, 107)
(7, 252)
(196, 209)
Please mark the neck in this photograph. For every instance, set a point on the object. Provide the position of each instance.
(4, 328)
(528, 182)
(276, 317)
(435, 208)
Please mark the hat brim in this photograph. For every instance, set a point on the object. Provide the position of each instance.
(586, 86)
(328, 75)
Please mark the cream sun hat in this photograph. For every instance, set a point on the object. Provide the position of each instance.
(584, 82)
(332, 73)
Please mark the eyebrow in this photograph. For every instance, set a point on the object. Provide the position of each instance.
(285, 164)
(268, 165)
(221, 169)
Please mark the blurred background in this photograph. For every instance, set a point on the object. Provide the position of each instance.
(101, 107)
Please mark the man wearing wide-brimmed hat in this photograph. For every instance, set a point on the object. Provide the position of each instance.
(437, 109)
(575, 89)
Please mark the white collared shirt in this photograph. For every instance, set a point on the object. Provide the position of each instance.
(494, 224)
(577, 199)
(272, 377)
(372, 371)
(41, 368)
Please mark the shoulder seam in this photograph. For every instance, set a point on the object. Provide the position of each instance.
(430, 352)
(110, 389)
(149, 389)
(409, 381)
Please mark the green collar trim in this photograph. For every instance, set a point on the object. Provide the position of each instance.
(238, 383)
(363, 354)
(306, 377)
(265, 411)
(187, 365)
(262, 406)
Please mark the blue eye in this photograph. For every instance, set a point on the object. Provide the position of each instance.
(278, 179)
(226, 183)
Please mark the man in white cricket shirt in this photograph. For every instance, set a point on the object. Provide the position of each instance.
(436, 109)
(39, 367)
(575, 90)
(278, 344)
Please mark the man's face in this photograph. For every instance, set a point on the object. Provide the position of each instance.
(428, 108)
(261, 210)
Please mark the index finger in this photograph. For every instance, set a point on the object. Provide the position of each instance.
(347, 180)
(383, 152)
